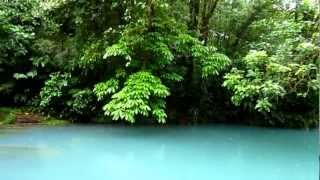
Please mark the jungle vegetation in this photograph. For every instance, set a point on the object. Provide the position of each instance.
(163, 61)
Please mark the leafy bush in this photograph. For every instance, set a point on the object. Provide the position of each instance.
(81, 102)
(142, 94)
(265, 81)
(54, 89)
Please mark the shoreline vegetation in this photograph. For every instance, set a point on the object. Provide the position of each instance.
(252, 62)
(9, 116)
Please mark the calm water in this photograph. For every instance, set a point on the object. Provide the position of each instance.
(149, 153)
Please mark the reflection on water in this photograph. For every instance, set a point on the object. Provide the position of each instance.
(144, 153)
(25, 150)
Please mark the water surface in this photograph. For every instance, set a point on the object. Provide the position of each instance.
(153, 153)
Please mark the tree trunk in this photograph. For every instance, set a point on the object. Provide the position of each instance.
(208, 9)
(194, 6)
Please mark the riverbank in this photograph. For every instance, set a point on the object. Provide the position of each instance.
(12, 116)
(26, 116)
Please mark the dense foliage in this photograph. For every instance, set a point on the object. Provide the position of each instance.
(163, 61)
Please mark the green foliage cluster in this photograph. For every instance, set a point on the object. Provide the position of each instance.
(142, 94)
(17, 33)
(7, 115)
(54, 89)
(60, 94)
(162, 60)
(151, 43)
(279, 76)
(265, 81)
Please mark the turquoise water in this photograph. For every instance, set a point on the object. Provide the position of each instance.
(150, 153)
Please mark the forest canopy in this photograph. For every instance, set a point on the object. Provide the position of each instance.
(163, 61)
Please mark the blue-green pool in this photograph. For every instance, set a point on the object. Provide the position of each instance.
(152, 153)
